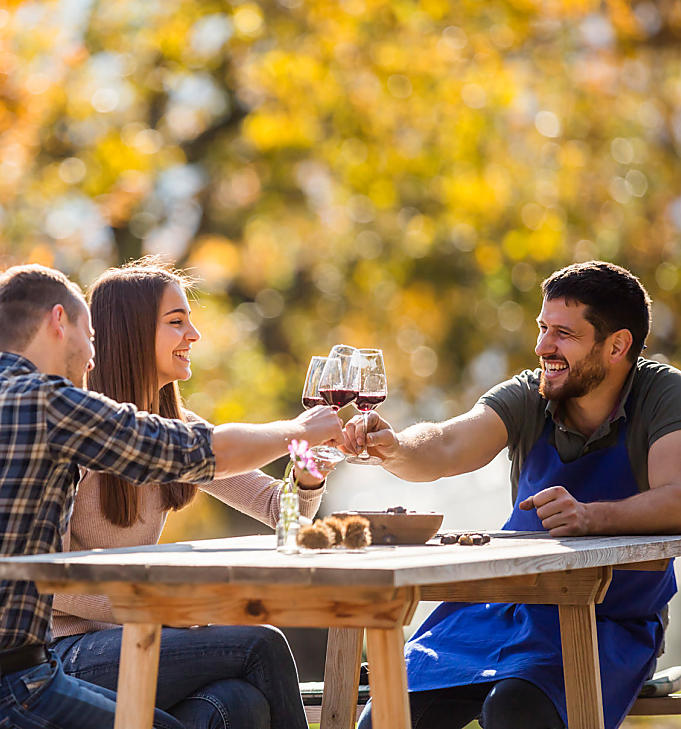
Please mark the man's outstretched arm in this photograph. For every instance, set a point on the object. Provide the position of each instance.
(428, 451)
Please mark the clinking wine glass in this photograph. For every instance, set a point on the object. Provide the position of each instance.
(311, 398)
(373, 389)
(339, 381)
(348, 359)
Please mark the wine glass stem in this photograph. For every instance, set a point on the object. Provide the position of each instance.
(365, 417)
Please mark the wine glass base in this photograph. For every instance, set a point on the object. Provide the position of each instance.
(328, 454)
(364, 460)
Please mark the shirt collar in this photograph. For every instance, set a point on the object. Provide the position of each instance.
(16, 361)
(618, 411)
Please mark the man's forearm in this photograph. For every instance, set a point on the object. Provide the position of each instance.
(419, 455)
(242, 447)
(656, 511)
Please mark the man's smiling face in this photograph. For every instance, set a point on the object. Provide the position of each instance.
(571, 359)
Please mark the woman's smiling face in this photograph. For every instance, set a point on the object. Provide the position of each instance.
(175, 335)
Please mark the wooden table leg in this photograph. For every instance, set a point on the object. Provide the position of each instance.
(341, 678)
(137, 676)
(388, 679)
(581, 667)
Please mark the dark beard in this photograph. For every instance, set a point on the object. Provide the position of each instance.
(583, 378)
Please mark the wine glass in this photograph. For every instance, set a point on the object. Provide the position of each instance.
(348, 357)
(373, 389)
(311, 398)
(339, 381)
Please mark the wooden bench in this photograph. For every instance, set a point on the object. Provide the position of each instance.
(660, 695)
(312, 699)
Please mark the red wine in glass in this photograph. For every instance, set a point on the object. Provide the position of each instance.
(367, 401)
(338, 397)
(311, 398)
(310, 402)
(373, 389)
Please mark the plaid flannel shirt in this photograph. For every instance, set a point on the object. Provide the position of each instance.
(48, 428)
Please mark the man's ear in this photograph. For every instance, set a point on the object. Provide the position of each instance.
(57, 319)
(620, 344)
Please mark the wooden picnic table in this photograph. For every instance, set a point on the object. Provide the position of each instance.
(246, 581)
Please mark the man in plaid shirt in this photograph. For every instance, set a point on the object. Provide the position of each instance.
(49, 428)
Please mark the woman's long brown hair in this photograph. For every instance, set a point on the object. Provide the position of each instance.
(125, 303)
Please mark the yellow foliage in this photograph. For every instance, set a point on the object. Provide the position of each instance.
(516, 245)
(488, 257)
(382, 193)
(375, 171)
(42, 254)
(268, 130)
(216, 258)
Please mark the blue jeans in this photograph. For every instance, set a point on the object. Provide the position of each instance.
(212, 677)
(44, 697)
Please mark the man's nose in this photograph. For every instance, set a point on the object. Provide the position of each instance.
(545, 344)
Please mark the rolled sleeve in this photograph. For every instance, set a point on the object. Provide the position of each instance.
(511, 400)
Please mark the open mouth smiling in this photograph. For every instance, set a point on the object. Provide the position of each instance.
(554, 368)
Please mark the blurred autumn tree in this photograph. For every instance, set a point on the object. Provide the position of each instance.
(394, 173)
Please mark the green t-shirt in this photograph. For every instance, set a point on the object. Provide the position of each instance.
(650, 404)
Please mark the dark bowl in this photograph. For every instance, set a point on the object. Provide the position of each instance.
(410, 527)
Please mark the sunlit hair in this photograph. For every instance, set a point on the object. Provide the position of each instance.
(125, 308)
(615, 299)
(27, 294)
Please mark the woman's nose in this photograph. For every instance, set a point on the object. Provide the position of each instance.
(193, 334)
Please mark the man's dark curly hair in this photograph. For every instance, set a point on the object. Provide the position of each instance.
(614, 297)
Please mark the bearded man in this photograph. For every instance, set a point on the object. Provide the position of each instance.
(594, 438)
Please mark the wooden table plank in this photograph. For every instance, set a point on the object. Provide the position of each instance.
(352, 606)
(224, 560)
(568, 587)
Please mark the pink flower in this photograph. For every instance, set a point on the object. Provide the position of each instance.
(311, 467)
(298, 449)
(303, 459)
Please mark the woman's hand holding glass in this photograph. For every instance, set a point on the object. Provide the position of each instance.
(326, 455)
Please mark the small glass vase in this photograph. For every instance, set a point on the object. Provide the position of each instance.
(288, 525)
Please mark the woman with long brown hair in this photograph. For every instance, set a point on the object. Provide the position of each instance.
(209, 677)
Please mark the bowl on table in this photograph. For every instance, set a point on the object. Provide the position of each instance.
(405, 527)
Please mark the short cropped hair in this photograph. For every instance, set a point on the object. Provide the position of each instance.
(614, 297)
(27, 294)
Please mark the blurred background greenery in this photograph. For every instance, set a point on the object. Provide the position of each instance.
(390, 173)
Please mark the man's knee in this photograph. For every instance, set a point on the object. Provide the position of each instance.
(517, 704)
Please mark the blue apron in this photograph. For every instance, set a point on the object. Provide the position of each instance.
(467, 643)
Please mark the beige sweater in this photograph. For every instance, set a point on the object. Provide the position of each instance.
(250, 493)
